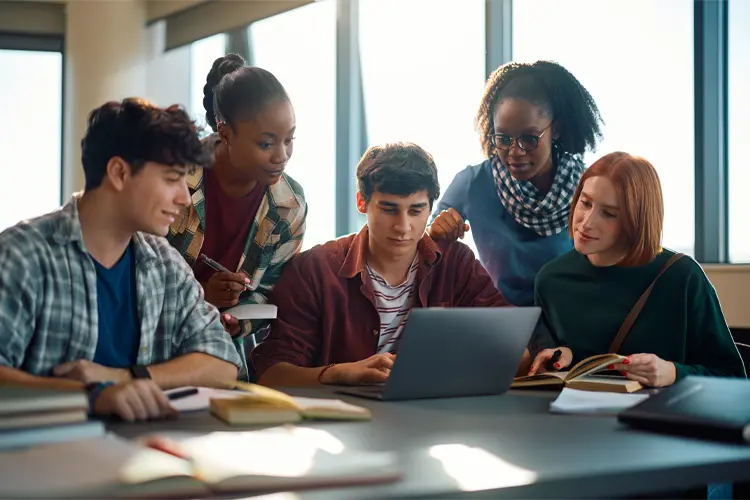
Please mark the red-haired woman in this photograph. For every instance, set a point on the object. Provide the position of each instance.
(616, 223)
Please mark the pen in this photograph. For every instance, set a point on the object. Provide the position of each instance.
(182, 394)
(554, 359)
(217, 267)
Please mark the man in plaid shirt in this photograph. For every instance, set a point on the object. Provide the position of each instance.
(93, 296)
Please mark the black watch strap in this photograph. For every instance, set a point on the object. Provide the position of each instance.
(139, 371)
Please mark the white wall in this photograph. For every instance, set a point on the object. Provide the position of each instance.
(105, 49)
(111, 55)
(167, 74)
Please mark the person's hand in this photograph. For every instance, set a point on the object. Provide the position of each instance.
(374, 369)
(448, 225)
(224, 289)
(137, 400)
(87, 372)
(231, 324)
(648, 369)
(538, 366)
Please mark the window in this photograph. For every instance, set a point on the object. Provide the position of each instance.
(423, 76)
(299, 48)
(739, 155)
(30, 134)
(203, 53)
(636, 59)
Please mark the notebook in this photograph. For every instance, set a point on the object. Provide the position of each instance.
(261, 405)
(253, 311)
(30, 416)
(17, 399)
(279, 459)
(19, 438)
(582, 376)
(707, 407)
(593, 403)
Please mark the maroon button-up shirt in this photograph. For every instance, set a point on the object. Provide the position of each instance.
(326, 310)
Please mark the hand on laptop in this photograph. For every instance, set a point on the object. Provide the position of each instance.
(374, 369)
(538, 366)
(137, 400)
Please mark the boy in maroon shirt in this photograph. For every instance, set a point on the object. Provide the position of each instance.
(343, 304)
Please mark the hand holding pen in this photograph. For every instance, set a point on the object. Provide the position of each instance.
(223, 289)
(550, 360)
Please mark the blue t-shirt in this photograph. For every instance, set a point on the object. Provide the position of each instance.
(119, 332)
(511, 253)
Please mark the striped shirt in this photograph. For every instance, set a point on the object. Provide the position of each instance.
(393, 304)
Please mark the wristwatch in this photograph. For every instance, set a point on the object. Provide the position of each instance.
(139, 371)
(93, 390)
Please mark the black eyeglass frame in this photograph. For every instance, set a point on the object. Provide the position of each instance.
(534, 139)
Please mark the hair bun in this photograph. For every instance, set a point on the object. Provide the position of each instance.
(222, 66)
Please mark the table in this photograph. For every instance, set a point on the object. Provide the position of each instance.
(506, 446)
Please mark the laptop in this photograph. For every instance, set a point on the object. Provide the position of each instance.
(703, 407)
(451, 352)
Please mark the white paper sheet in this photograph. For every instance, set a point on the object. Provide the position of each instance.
(253, 311)
(202, 400)
(594, 402)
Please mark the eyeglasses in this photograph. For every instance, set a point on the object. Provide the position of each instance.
(526, 142)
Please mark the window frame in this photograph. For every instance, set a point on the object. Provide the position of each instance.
(710, 52)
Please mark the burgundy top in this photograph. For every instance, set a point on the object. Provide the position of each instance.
(227, 224)
(326, 312)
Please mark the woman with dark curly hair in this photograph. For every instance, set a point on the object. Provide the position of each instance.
(535, 123)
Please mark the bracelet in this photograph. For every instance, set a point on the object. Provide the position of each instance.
(320, 375)
(94, 390)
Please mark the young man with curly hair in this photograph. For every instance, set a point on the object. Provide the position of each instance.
(92, 296)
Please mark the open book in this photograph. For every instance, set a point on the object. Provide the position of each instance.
(278, 459)
(257, 405)
(581, 376)
(261, 405)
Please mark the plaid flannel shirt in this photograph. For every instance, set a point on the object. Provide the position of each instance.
(48, 299)
(275, 235)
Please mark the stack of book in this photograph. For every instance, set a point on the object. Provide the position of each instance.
(31, 416)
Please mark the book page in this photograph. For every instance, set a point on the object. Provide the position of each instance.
(86, 467)
(330, 408)
(286, 457)
(267, 395)
(542, 376)
(593, 364)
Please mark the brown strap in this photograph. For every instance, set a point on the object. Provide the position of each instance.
(633, 315)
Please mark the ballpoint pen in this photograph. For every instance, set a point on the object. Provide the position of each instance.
(182, 394)
(218, 267)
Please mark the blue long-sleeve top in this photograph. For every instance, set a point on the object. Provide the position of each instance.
(511, 253)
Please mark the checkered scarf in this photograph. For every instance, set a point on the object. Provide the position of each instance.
(546, 215)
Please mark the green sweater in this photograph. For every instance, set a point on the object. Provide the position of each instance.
(583, 307)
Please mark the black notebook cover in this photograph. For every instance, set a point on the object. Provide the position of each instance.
(704, 407)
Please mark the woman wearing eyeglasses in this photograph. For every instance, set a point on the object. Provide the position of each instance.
(535, 122)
